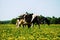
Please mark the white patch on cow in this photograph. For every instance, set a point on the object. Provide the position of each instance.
(33, 16)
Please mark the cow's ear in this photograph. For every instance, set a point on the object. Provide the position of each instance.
(26, 12)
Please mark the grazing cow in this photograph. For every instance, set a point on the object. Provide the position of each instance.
(24, 19)
(34, 19)
(45, 20)
(29, 19)
(18, 22)
(22, 22)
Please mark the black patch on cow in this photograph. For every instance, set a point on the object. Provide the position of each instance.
(28, 18)
(36, 20)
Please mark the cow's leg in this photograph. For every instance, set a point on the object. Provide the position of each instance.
(39, 26)
(17, 23)
(32, 25)
(20, 25)
(29, 25)
(24, 25)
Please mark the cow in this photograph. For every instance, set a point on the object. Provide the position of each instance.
(35, 19)
(45, 20)
(31, 19)
(21, 21)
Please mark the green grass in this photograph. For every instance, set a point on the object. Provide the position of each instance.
(10, 32)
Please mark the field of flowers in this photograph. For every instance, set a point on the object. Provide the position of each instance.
(10, 32)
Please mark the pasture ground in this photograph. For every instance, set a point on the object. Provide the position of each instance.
(10, 32)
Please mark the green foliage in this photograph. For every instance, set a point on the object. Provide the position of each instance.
(53, 20)
(11, 32)
(5, 22)
(58, 20)
(13, 21)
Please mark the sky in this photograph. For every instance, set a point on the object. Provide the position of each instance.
(10, 9)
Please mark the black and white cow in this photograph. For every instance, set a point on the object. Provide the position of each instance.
(21, 21)
(31, 19)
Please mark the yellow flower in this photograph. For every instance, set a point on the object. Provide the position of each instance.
(21, 37)
(31, 37)
(10, 38)
(43, 39)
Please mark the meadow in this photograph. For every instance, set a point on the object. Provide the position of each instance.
(11, 32)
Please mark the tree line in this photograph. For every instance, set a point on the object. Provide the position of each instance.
(53, 20)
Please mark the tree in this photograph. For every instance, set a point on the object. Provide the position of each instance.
(5, 22)
(13, 21)
(58, 20)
